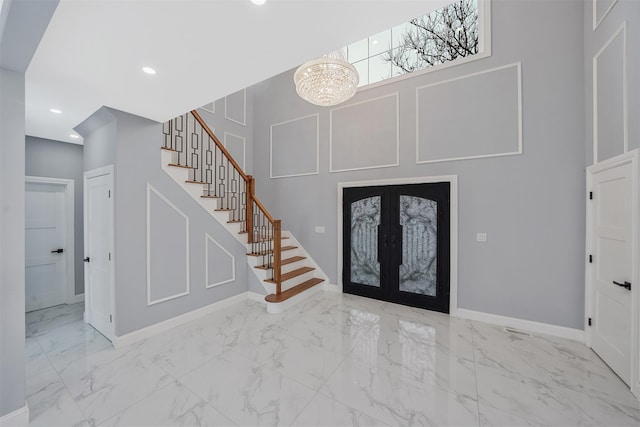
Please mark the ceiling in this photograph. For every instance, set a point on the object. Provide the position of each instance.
(93, 51)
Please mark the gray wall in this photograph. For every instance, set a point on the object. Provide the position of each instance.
(610, 109)
(12, 376)
(136, 143)
(55, 159)
(530, 205)
(227, 119)
(22, 26)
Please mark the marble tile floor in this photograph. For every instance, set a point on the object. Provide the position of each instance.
(334, 360)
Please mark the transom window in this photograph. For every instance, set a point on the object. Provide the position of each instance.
(452, 34)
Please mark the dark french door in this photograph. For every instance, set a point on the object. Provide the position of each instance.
(396, 244)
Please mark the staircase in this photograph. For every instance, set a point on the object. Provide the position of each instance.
(196, 159)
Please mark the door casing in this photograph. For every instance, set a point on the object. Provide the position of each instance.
(626, 158)
(453, 226)
(106, 170)
(69, 249)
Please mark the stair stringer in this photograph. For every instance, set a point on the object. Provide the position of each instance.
(181, 175)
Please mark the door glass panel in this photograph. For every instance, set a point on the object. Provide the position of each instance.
(419, 221)
(365, 218)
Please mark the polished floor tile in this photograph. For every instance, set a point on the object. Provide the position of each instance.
(332, 360)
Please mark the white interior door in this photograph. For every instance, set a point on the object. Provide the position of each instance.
(611, 275)
(45, 236)
(98, 252)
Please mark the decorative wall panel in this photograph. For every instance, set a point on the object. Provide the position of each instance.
(220, 267)
(235, 107)
(474, 116)
(236, 146)
(294, 147)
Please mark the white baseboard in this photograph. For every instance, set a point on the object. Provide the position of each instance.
(526, 325)
(17, 418)
(76, 299)
(330, 287)
(149, 331)
(254, 296)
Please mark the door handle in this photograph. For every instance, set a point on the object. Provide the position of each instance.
(626, 285)
(57, 251)
(87, 259)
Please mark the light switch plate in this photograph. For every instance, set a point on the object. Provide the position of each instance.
(319, 229)
(481, 237)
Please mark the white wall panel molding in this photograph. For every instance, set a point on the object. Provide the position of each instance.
(359, 144)
(515, 105)
(599, 94)
(311, 152)
(598, 19)
(242, 120)
(177, 250)
(232, 143)
(232, 262)
(209, 108)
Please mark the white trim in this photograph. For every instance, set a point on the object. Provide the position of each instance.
(597, 21)
(244, 108)
(342, 107)
(17, 418)
(625, 132)
(76, 299)
(69, 194)
(518, 66)
(317, 171)
(94, 173)
(526, 325)
(207, 238)
(254, 296)
(165, 325)
(632, 157)
(453, 224)
(244, 146)
(213, 108)
(150, 189)
(484, 51)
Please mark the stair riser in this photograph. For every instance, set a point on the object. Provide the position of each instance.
(294, 266)
(288, 284)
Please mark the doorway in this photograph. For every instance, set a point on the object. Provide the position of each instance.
(612, 265)
(49, 264)
(396, 243)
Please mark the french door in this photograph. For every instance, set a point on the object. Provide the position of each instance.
(396, 244)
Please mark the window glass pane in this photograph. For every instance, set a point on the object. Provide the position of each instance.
(404, 61)
(363, 72)
(379, 68)
(365, 218)
(358, 51)
(379, 43)
(400, 34)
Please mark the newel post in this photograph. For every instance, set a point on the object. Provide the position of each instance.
(249, 207)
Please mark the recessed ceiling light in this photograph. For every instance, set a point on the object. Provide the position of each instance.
(258, 2)
(55, 110)
(74, 136)
(149, 70)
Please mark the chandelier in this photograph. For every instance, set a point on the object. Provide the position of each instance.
(328, 80)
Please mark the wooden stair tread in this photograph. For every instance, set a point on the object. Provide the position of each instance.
(283, 262)
(293, 291)
(175, 165)
(282, 249)
(233, 221)
(169, 149)
(189, 181)
(292, 274)
(210, 197)
(223, 210)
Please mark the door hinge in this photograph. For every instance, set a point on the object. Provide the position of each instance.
(111, 318)
(109, 193)
(589, 321)
(590, 195)
(109, 256)
(590, 259)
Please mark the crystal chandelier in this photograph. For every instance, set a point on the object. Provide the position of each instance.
(328, 80)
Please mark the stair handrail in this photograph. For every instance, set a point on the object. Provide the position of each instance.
(250, 200)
